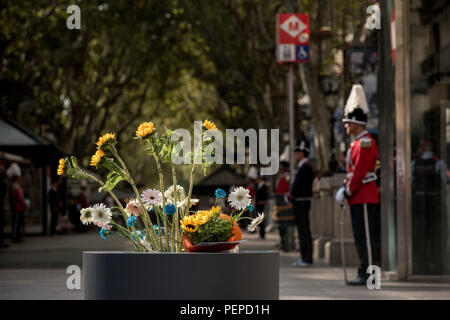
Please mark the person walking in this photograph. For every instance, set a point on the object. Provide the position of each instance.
(55, 205)
(281, 189)
(3, 189)
(17, 206)
(300, 194)
(360, 187)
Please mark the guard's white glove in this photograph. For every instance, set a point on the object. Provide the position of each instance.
(340, 196)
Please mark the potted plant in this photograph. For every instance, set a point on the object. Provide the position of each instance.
(167, 236)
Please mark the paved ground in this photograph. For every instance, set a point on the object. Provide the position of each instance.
(35, 269)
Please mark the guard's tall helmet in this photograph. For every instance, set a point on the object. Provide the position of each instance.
(356, 108)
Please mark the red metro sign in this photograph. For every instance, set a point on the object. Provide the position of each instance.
(292, 37)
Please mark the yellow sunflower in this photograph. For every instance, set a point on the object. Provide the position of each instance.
(209, 125)
(62, 163)
(215, 209)
(105, 138)
(145, 129)
(97, 157)
(189, 224)
(202, 217)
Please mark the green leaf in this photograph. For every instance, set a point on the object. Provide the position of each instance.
(112, 179)
(109, 164)
(168, 132)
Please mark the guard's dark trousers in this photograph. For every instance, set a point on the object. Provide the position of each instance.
(359, 233)
(301, 212)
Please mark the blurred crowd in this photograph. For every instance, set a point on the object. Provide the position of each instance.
(11, 190)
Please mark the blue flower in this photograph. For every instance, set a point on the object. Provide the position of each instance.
(156, 227)
(140, 234)
(103, 233)
(220, 193)
(170, 209)
(251, 207)
(130, 221)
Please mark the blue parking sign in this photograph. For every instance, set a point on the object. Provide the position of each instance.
(302, 53)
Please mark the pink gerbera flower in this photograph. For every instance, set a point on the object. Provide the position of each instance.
(106, 226)
(152, 197)
(133, 208)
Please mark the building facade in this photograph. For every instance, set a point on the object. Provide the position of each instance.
(415, 130)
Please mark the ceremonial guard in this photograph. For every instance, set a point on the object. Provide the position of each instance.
(360, 187)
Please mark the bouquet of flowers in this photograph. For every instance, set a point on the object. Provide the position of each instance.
(212, 230)
(175, 228)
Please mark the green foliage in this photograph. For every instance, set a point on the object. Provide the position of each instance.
(171, 62)
(112, 179)
(216, 229)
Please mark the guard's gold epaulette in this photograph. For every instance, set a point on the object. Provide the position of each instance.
(365, 142)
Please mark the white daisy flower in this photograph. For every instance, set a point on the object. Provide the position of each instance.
(239, 198)
(255, 222)
(101, 214)
(86, 215)
(183, 203)
(170, 193)
(152, 197)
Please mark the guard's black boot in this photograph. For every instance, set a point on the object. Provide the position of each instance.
(357, 282)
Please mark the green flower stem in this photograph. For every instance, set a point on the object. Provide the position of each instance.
(191, 184)
(122, 210)
(166, 230)
(191, 178)
(161, 177)
(145, 215)
(175, 222)
(161, 187)
(240, 214)
(136, 235)
(127, 233)
(101, 183)
(159, 224)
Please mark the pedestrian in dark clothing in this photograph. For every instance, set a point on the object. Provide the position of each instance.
(281, 189)
(55, 204)
(17, 206)
(301, 193)
(3, 189)
(261, 198)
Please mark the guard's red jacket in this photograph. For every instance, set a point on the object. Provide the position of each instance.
(361, 170)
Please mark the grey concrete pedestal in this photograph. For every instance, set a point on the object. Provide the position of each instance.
(247, 275)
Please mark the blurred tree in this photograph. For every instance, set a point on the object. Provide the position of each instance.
(170, 61)
(239, 39)
(83, 82)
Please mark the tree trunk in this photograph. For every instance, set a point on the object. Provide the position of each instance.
(321, 115)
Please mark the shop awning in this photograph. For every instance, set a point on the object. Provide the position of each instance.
(17, 140)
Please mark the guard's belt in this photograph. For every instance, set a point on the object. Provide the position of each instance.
(369, 177)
